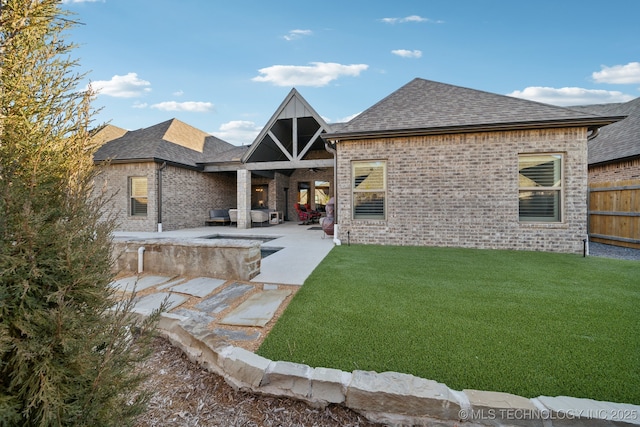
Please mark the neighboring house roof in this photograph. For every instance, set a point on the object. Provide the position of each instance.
(172, 141)
(427, 107)
(619, 140)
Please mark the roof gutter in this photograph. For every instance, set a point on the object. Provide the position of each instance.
(158, 160)
(590, 122)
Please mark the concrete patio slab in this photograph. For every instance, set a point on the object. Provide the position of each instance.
(198, 287)
(147, 304)
(257, 310)
(128, 284)
(224, 299)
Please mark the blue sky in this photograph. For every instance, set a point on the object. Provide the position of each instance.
(225, 67)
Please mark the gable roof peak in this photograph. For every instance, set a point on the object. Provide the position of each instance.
(293, 106)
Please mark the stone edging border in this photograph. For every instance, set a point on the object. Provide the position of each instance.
(389, 398)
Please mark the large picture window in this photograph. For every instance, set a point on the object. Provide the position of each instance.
(369, 189)
(138, 195)
(540, 187)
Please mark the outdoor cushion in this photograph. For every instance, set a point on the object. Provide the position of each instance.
(259, 216)
(219, 214)
(233, 215)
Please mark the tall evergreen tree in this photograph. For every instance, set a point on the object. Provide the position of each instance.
(67, 356)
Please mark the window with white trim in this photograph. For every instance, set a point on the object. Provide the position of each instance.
(540, 187)
(369, 189)
(138, 196)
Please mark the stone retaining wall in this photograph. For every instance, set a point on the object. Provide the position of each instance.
(224, 258)
(389, 397)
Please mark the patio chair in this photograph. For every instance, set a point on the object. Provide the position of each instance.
(306, 215)
(218, 216)
(315, 215)
(259, 216)
(233, 216)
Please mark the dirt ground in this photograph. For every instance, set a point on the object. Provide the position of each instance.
(186, 395)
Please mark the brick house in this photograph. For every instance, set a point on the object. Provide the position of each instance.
(431, 164)
(440, 165)
(164, 159)
(168, 176)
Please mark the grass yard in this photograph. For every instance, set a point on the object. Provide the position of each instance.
(528, 323)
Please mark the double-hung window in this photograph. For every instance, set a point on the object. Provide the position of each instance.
(540, 187)
(369, 189)
(138, 196)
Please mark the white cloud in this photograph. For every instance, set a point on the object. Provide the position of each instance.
(140, 105)
(349, 118)
(128, 86)
(341, 120)
(618, 74)
(178, 93)
(317, 74)
(296, 34)
(404, 53)
(570, 95)
(189, 106)
(411, 18)
(238, 132)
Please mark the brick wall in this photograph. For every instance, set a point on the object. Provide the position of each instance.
(462, 190)
(187, 195)
(620, 171)
(113, 182)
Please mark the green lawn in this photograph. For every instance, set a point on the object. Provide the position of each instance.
(527, 323)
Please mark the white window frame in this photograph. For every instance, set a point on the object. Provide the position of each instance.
(355, 192)
(557, 187)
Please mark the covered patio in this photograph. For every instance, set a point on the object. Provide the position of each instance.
(288, 163)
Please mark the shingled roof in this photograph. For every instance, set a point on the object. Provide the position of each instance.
(106, 133)
(620, 140)
(171, 141)
(427, 107)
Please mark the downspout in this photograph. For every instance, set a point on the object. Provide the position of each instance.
(159, 195)
(330, 146)
(592, 132)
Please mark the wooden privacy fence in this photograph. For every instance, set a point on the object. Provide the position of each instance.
(614, 213)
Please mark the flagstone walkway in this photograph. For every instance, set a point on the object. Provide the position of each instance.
(239, 313)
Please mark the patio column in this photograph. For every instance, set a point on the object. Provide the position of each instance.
(244, 198)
